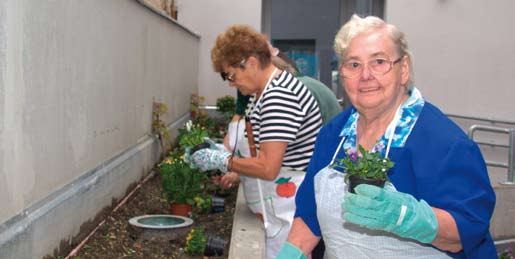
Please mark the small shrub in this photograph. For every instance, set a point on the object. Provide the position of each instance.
(181, 183)
(196, 241)
(159, 126)
(226, 105)
(195, 101)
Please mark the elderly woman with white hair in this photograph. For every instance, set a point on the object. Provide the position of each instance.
(437, 201)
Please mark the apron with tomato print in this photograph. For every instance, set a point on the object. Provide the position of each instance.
(271, 201)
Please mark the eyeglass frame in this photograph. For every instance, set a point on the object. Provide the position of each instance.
(230, 77)
(371, 70)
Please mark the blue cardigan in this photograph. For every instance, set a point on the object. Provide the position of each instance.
(438, 163)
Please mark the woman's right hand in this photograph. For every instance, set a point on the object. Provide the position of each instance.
(229, 180)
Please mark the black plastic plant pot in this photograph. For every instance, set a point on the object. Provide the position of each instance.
(215, 246)
(217, 204)
(223, 192)
(355, 181)
(199, 147)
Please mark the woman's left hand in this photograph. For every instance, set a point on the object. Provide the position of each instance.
(389, 210)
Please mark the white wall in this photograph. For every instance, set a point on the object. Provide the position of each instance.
(464, 53)
(77, 81)
(208, 19)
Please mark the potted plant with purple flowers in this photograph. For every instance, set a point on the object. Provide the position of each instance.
(365, 167)
(506, 254)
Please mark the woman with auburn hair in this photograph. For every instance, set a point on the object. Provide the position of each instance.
(284, 121)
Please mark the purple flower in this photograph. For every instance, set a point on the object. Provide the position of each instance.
(378, 147)
(352, 154)
(364, 164)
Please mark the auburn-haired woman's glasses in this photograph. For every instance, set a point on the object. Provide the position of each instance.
(231, 77)
(377, 66)
(227, 77)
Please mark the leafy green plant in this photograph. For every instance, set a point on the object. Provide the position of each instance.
(196, 241)
(159, 126)
(227, 106)
(191, 135)
(181, 183)
(365, 165)
(210, 124)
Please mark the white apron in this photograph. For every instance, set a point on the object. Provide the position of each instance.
(279, 205)
(346, 240)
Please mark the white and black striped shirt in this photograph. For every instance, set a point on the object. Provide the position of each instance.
(287, 112)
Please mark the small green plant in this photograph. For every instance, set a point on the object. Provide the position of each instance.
(227, 106)
(365, 165)
(506, 254)
(203, 203)
(196, 241)
(195, 101)
(159, 127)
(181, 183)
(191, 135)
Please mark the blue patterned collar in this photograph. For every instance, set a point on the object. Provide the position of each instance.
(410, 110)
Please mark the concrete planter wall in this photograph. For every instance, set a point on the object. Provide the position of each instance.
(78, 81)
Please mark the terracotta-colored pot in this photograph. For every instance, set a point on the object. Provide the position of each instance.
(180, 209)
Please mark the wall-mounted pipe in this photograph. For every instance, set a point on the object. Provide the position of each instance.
(120, 204)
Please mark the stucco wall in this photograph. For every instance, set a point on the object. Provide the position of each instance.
(77, 81)
(464, 54)
(208, 19)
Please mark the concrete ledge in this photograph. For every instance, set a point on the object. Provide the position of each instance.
(163, 14)
(248, 234)
(502, 225)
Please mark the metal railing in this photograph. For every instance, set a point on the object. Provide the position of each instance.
(482, 119)
(511, 148)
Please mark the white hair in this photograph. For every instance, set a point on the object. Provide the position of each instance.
(357, 26)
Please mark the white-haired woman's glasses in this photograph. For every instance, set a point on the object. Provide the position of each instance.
(378, 66)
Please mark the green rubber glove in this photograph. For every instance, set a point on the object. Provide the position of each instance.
(392, 211)
(210, 159)
(289, 251)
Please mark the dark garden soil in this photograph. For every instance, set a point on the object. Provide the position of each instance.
(116, 238)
